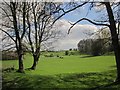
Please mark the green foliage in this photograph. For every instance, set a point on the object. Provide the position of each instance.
(49, 55)
(70, 49)
(66, 52)
(95, 47)
(71, 53)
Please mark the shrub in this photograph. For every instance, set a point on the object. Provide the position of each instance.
(51, 55)
(9, 55)
(58, 56)
(72, 53)
(66, 52)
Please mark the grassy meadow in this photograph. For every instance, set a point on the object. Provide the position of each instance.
(74, 71)
(69, 64)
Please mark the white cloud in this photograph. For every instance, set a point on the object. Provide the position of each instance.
(77, 33)
(99, 7)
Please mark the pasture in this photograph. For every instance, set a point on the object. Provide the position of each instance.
(75, 71)
(69, 64)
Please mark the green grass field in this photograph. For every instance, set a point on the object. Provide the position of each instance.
(69, 64)
(78, 71)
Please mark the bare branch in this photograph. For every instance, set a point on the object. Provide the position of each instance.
(7, 34)
(7, 45)
(102, 21)
(65, 12)
(29, 34)
(24, 25)
(9, 48)
(6, 14)
(7, 26)
(100, 24)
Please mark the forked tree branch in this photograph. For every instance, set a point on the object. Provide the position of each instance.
(86, 19)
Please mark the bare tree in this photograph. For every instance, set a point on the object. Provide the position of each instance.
(40, 31)
(14, 26)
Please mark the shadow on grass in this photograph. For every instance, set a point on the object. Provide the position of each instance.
(81, 81)
(87, 56)
(113, 67)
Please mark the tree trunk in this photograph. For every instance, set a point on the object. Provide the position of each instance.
(115, 40)
(34, 62)
(116, 46)
(20, 58)
(117, 56)
(21, 68)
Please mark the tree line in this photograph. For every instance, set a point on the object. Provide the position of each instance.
(95, 47)
(99, 44)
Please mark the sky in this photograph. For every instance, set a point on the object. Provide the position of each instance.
(79, 31)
